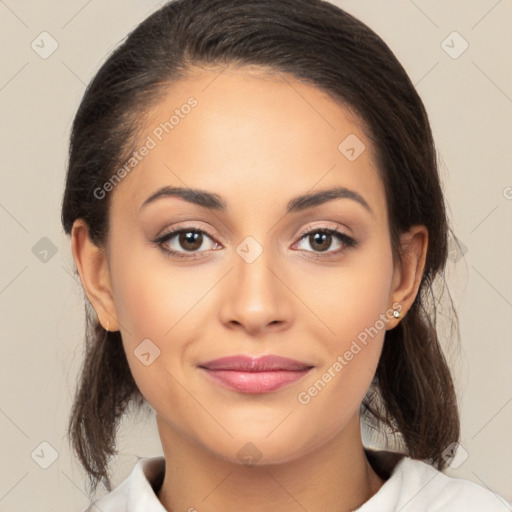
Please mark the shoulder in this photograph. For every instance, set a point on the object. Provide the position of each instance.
(442, 492)
(417, 486)
(137, 491)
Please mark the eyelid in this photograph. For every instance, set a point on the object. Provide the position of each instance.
(202, 228)
(186, 227)
(347, 241)
(161, 240)
(169, 233)
(322, 226)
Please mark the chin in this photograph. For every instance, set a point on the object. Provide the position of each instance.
(257, 450)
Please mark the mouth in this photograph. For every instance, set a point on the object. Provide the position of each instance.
(255, 375)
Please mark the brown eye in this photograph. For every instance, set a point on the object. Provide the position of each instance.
(321, 240)
(179, 242)
(190, 240)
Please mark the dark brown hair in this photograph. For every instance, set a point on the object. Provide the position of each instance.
(412, 393)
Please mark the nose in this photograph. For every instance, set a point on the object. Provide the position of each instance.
(255, 297)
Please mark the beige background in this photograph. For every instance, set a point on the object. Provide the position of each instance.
(469, 100)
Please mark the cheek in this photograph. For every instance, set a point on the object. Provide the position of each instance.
(152, 299)
(160, 314)
(351, 299)
(357, 315)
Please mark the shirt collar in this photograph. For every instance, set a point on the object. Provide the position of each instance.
(146, 479)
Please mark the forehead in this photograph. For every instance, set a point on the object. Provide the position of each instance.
(252, 136)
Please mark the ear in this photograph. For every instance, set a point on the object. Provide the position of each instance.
(408, 273)
(91, 263)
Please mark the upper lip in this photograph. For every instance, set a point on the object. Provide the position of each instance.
(255, 364)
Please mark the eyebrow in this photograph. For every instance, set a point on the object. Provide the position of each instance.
(215, 202)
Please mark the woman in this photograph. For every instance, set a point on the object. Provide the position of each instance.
(257, 221)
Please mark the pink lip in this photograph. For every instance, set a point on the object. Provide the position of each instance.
(255, 375)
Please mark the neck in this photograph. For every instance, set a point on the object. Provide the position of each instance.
(335, 477)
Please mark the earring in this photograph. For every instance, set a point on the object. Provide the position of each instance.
(108, 325)
(396, 313)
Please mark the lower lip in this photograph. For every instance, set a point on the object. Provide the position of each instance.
(256, 382)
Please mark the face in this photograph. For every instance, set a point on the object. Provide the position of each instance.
(255, 271)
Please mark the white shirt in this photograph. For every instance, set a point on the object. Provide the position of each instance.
(413, 486)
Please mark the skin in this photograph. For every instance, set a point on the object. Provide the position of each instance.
(257, 150)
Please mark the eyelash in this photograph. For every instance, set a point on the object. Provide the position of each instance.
(159, 242)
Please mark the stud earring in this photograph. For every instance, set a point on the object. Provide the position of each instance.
(396, 313)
